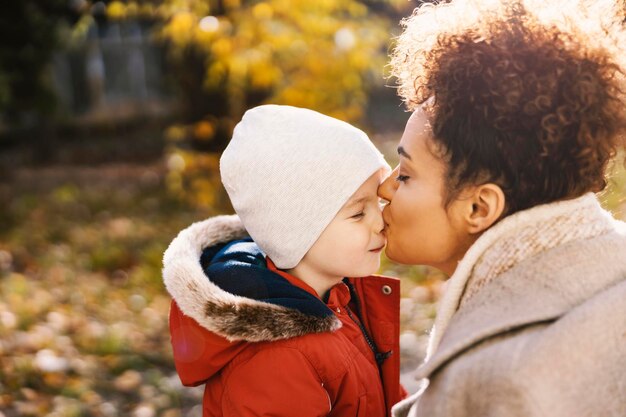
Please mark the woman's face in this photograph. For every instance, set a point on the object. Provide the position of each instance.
(420, 230)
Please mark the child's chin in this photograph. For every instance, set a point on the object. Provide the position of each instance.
(374, 269)
(368, 267)
(364, 272)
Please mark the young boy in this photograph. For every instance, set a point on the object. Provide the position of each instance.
(277, 329)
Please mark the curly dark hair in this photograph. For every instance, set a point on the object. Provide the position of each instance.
(533, 105)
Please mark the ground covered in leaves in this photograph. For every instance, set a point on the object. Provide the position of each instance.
(83, 312)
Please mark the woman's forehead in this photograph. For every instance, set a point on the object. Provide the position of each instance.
(417, 129)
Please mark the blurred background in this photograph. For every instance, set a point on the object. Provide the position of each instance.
(113, 115)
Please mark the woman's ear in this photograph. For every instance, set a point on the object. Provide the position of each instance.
(488, 203)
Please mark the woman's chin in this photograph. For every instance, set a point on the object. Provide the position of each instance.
(391, 253)
(399, 257)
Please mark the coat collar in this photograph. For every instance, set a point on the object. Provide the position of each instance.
(539, 288)
(231, 316)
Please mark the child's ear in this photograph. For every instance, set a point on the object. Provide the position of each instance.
(487, 205)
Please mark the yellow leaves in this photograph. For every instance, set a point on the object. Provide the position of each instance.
(208, 162)
(182, 23)
(237, 71)
(359, 60)
(197, 7)
(129, 381)
(146, 10)
(293, 96)
(174, 183)
(263, 75)
(17, 285)
(186, 160)
(17, 292)
(86, 396)
(204, 37)
(203, 192)
(226, 27)
(351, 81)
(54, 379)
(216, 74)
(175, 133)
(262, 11)
(205, 186)
(280, 46)
(222, 47)
(58, 355)
(195, 176)
(318, 25)
(204, 130)
(181, 28)
(116, 10)
(357, 9)
(232, 4)
(329, 5)
(310, 53)
(132, 9)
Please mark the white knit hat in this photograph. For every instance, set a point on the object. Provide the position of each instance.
(288, 171)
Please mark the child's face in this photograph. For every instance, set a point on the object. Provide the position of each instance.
(351, 244)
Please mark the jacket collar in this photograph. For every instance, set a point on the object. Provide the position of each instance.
(229, 315)
(337, 296)
(291, 279)
(538, 288)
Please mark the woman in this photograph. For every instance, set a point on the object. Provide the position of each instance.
(515, 121)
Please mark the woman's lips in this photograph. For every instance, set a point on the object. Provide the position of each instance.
(377, 249)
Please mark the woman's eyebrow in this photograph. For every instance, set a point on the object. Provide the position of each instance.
(402, 152)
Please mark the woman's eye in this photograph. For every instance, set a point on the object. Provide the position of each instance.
(402, 178)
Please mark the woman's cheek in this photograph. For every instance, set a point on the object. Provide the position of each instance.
(401, 210)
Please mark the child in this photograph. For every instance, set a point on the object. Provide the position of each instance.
(276, 329)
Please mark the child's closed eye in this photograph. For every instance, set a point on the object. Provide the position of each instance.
(358, 215)
(402, 178)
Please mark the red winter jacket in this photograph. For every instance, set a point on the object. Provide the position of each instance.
(264, 343)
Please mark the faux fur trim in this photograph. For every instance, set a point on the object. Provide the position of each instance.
(515, 238)
(228, 315)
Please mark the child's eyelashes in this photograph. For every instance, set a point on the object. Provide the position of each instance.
(358, 215)
(402, 178)
(366, 208)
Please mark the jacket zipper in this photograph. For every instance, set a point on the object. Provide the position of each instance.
(378, 356)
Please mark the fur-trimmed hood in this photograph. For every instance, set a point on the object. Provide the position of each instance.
(274, 310)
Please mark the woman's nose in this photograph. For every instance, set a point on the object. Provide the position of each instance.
(388, 187)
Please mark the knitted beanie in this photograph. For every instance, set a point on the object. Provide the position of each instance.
(288, 171)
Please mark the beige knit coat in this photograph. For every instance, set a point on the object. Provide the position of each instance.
(533, 322)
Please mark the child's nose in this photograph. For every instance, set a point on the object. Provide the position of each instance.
(379, 223)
